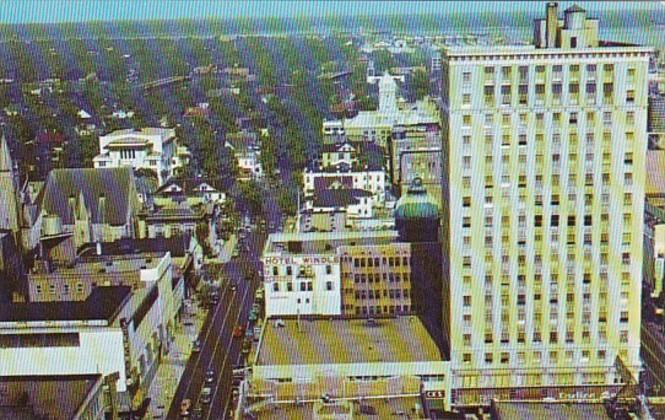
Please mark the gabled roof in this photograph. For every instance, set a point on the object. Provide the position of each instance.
(338, 147)
(6, 163)
(187, 187)
(339, 197)
(176, 245)
(574, 9)
(103, 192)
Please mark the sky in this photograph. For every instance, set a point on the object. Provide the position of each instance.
(56, 11)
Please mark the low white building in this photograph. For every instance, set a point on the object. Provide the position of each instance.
(367, 177)
(146, 148)
(123, 326)
(355, 204)
(111, 332)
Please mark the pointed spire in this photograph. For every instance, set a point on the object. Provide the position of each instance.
(6, 164)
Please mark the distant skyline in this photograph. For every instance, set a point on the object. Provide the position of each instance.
(61, 11)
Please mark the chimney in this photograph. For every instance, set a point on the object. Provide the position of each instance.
(552, 24)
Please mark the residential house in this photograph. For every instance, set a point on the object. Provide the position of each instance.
(246, 147)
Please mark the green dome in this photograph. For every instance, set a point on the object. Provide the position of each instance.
(416, 203)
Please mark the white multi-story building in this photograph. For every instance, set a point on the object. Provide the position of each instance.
(544, 150)
(376, 126)
(356, 176)
(147, 148)
(302, 270)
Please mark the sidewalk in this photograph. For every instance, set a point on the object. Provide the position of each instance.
(227, 250)
(173, 364)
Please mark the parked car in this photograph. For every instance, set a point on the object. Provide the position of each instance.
(206, 395)
(234, 287)
(196, 346)
(210, 376)
(238, 331)
(158, 413)
(246, 346)
(185, 406)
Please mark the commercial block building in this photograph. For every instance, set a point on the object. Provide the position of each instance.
(415, 152)
(543, 194)
(376, 279)
(58, 397)
(114, 331)
(386, 357)
(302, 273)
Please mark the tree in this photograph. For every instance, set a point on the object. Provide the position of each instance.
(420, 83)
(269, 156)
(287, 200)
(202, 233)
(250, 197)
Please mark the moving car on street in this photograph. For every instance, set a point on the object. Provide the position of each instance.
(206, 395)
(210, 376)
(238, 331)
(185, 406)
(196, 346)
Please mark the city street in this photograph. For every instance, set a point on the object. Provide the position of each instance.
(219, 350)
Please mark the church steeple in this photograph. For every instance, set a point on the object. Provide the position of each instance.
(9, 208)
(6, 163)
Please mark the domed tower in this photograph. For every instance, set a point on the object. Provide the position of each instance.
(417, 215)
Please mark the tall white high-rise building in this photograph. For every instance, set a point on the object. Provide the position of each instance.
(544, 150)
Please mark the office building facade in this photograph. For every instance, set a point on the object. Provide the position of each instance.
(544, 149)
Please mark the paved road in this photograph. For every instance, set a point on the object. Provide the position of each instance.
(219, 350)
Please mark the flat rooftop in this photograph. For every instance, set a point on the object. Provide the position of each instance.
(49, 396)
(343, 341)
(369, 409)
(87, 267)
(316, 242)
(510, 50)
(103, 304)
